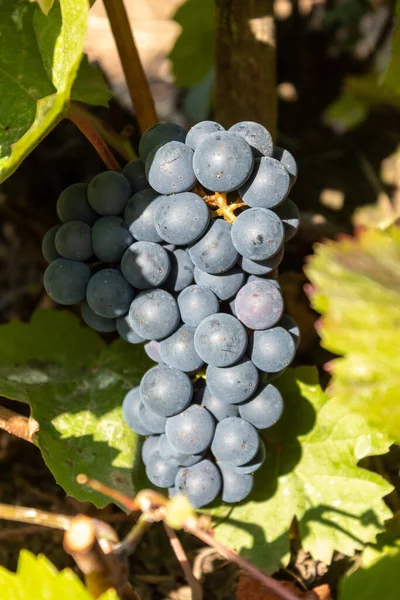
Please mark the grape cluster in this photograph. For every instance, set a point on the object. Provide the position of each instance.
(180, 251)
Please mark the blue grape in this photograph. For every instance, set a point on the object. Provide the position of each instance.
(178, 350)
(288, 323)
(258, 138)
(224, 286)
(288, 161)
(214, 252)
(150, 445)
(264, 409)
(152, 422)
(96, 322)
(139, 215)
(126, 331)
(235, 441)
(152, 350)
(262, 267)
(259, 304)
(145, 265)
(272, 350)
(135, 174)
(200, 131)
(233, 384)
(257, 233)
(66, 281)
(161, 471)
(130, 412)
(181, 271)
(251, 467)
(154, 314)
(108, 192)
(48, 244)
(73, 205)
(235, 487)
(160, 133)
(290, 217)
(220, 340)
(74, 241)
(184, 460)
(196, 303)
(223, 161)
(110, 239)
(166, 391)
(218, 408)
(200, 483)
(169, 168)
(182, 218)
(191, 431)
(109, 294)
(274, 282)
(268, 184)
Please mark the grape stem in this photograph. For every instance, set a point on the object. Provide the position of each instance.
(221, 207)
(20, 426)
(197, 592)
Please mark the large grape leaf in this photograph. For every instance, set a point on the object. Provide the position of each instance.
(75, 386)
(310, 473)
(356, 287)
(37, 577)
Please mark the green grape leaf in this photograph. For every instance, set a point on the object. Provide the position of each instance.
(74, 385)
(45, 5)
(193, 53)
(40, 56)
(90, 86)
(310, 473)
(391, 77)
(37, 577)
(356, 287)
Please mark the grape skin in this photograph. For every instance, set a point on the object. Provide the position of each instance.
(233, 384)
(100, 324)
(220, 340)
(196, 303)
(259, 305)
(169, 168)
(224, 286)
(108, 192)
(184, 460)
(152, 350)
(151, 421)
(73, 205)
(166, 391)
(200, 131)
(181, 271)
(139, 215)
(135, 173)
(154, 314)
(160, 133)
(178, 350)
(150, 445)
(272, 350)
(126, 331)
(290, 217)
(48, 244)
(235, 441)
(256, 135)
(262, 267)
(200, 483)
(74, 241)
(110, 239)
(130, 412)
(66, 281)
(109, 294)
(252, 466)
(191, 431)
(182, 218)
(145, 265)
(257, 233)
(235, 487)
(161, 471)
(215, 253)
(288, 323)
(218, 408)
(288, 161)
(264, 409)
(268, 185)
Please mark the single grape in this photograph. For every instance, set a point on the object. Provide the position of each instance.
(66, 281)
(251, 467)
(200, 483)
(166, 391)
(48, 244)
(268, 185)
(139, 215)
(196, 303)
(214, 252)
(145, 265)
(184, 460)
(235, 487)
(290, 217)
(178, 350)
(259, 304)
(110, 239)
(150, 445)
(181, 271)
(135, 174)
(108, 192)
(288, 161)
(219, 409)
(288, 323)
(161, 471)
(262, 267)
(274, 282)
(109, 294)
(169, 168)
(73, 205)
(272, 350)
(233, 384)
(200, 131)
(126, 331)
(74, 241)
(130, 412)
(258, 138)
(264, 409)
(96, 322)
(191, 431)
(220, 340)
(160, 133)
(154, 423)
(235, 441)
(182, 218)
(154, 314)
(152, 350)
(257, 233)
(224, 286)
(223, 161)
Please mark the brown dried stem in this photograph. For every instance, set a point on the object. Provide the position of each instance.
(221, 207)
(197, 592)
(25, 514)
(20, 426)
(97, 486)
(132, 540)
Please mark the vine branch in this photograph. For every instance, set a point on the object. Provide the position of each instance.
(20, 426)
(196, 589)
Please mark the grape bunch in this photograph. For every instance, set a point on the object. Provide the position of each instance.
(180, 252)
